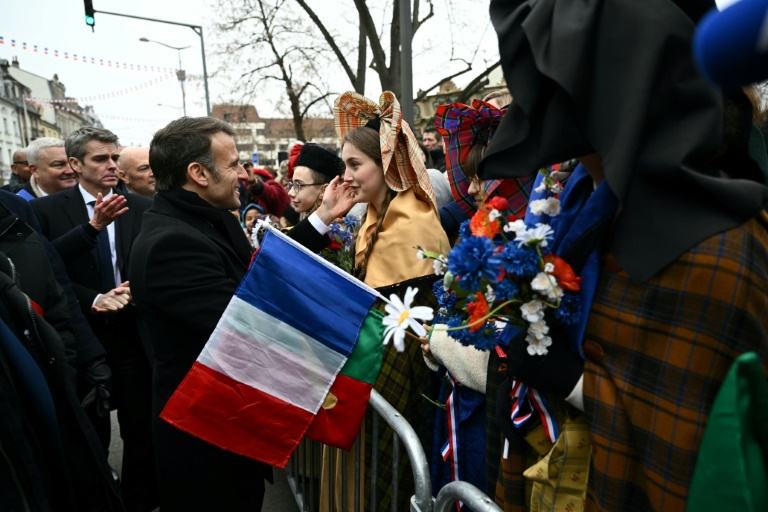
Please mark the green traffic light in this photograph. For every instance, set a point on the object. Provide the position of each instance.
(89, 20)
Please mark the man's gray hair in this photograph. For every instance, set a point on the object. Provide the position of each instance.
(34, 148)
(77, 140)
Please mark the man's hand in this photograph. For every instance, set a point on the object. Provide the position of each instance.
(337, 201)
(113, 300)
(98, 377)
(107, 210)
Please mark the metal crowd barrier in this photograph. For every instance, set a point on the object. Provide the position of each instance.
(304, 468)
(468, 494)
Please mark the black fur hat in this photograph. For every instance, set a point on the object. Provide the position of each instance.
(320, 160)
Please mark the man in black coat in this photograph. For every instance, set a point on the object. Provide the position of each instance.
(93, 229)
(185, 267)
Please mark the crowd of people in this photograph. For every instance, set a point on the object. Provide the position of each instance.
(116, 264)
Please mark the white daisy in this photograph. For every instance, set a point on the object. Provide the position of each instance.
(536, 235)
(400, 316)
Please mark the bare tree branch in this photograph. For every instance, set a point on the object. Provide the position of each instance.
(418, 23)
(331, 42)
(424, 93)
(366, 21)
(313, 102)
(473, 86)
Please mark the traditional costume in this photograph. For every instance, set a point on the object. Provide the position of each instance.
(679, 291)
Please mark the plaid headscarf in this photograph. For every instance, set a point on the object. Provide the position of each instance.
(401, 157)
(462, 126)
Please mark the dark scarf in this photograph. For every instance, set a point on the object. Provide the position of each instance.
(617, 78)
(222, 221)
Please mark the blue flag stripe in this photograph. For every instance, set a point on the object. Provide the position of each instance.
(301, 290)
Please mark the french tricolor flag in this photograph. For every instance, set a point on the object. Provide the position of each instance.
(280, 363)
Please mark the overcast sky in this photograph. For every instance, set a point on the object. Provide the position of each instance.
(134, 115)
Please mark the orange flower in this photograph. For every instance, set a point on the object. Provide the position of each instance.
(482, 225)
(564, 274)
(477, 310)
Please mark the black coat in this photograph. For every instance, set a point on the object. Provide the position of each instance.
(42, 417)
(184, 270)
(15, 243)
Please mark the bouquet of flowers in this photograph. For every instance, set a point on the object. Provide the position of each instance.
(341, 252)
(502, 273)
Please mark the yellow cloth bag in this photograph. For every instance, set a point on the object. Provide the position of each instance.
(560, 477)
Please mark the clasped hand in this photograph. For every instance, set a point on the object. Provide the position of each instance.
(113, 300)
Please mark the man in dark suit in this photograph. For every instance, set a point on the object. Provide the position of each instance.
(93, 229)
(185, 267)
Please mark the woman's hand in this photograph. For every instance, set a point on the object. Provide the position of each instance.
(337, 201)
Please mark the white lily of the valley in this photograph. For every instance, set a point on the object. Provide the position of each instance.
(400, 316)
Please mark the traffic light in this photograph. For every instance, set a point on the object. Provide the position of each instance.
(90, 20)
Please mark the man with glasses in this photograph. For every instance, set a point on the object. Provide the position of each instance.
(21, 172)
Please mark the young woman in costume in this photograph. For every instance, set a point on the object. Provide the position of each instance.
(385, 168)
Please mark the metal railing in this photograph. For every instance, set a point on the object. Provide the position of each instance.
(303, 475)
(468, 494)
(303, 471)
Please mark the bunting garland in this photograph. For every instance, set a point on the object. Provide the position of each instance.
(105, 96)
(107, 116)
(74, 57)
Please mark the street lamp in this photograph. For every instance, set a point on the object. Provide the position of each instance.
(168, 106)
(181, 74)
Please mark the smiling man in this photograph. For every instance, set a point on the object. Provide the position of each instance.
(186, 265)
(49, 169)
(93, 229)
(133, 168)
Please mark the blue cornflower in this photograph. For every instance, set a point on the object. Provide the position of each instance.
(350, 223)
(506, 289)
(569, 312)
(456, 321)
(445, 299)
(518, 261)
(471, 261)
(484, 338)
(464, 231)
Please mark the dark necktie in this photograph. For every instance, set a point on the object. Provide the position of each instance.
(106, 271)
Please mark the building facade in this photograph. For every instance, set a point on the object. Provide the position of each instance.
(269, 139)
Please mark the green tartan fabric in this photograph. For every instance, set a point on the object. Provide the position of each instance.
(664, 348)
(403, 379)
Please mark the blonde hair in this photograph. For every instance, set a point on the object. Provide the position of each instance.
(503, 97)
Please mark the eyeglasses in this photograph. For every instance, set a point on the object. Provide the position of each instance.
(297, 186)
(22, 162)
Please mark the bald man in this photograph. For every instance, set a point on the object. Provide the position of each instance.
(133, 169)
(21, 171)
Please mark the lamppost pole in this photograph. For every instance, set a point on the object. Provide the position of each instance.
(180, 73)
(196, 28)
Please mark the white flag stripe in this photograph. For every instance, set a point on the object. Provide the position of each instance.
(258, 350)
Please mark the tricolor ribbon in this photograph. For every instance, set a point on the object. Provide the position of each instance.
(451, 447)
(526, 401)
